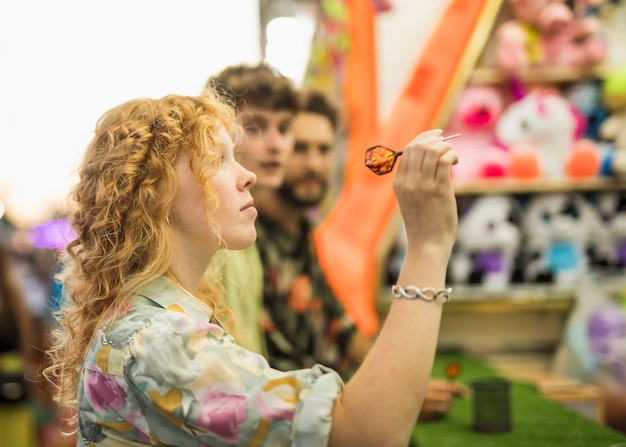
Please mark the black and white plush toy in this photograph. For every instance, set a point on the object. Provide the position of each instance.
(607, 246)
(557, 229)
(487, 243)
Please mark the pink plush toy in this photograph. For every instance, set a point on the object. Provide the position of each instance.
(547, 33)
(474, 116)
(578, 45)
(382, 5)
(542, 134)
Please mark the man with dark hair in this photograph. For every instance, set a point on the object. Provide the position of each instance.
(267, 102)
(303, 321)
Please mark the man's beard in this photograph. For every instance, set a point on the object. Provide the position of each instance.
(287, 192)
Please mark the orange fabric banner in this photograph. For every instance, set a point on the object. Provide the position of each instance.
(347, 240)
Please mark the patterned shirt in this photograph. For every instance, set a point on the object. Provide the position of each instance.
(164, 374)
(304, 323)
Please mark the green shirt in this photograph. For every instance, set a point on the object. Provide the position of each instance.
(242, 276)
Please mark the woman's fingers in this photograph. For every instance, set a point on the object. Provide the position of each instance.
(427, 156)
(433, 158)
(430, 132)
(444, 164)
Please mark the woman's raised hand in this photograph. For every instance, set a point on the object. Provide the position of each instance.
(425, 194)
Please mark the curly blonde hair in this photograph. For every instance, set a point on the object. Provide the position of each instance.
(127, 182)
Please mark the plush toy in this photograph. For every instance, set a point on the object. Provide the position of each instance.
(607, 244)
(577, 45)
(542, 134)
(613, 128)
(382, 5)
(474, 116)
(557, 228)
(606, 328)
(487, 243)
(518, 42)
(547, 33)
(586, 97)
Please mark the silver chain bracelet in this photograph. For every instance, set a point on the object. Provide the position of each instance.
(425, 293)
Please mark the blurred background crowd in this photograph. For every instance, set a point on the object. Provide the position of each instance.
(29, 294)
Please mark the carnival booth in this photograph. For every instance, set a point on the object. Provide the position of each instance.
(537, 90)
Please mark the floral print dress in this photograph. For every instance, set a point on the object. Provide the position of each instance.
(163, 374)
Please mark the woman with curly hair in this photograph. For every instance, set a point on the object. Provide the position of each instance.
(143, 354)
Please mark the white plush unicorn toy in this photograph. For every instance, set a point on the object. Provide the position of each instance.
(542, 132)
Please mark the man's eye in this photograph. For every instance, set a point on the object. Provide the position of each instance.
(253, 129)
(284, 128)
(300, 147)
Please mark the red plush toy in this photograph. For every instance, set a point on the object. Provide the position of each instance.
(474, 116)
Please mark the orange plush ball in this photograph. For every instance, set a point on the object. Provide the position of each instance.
(524, 164)
(585, 161)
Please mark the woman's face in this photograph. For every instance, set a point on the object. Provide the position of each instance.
(236, 213)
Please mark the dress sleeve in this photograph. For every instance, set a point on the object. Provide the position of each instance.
(194, 384)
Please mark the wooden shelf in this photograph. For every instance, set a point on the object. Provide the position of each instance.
(510, 306)
(543, 75)
(517, 186)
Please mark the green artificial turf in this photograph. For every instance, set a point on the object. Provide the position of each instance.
(536, 421)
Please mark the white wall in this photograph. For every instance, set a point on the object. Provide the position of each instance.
(65, 62)
(402, 33)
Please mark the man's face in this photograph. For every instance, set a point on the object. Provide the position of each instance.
(267, 144)
(310, 165)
